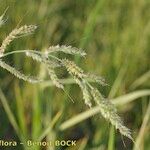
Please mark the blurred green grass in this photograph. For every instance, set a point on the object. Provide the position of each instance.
(116, 36)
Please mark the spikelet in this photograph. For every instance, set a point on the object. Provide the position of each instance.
(17, 73)
(97, 79)
(34, 56)
(109, 112)
(18, 32)
(85, 91)
(66, 49)
(42, 59)
(49, 66)
(54, 77)
(73, 69)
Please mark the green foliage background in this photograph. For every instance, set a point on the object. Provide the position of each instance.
(116, 36)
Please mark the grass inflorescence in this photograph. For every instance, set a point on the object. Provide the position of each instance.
(50, 61)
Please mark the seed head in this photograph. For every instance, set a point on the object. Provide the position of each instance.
(86, 94)
(73, 69)
(18, 74)
(109, 112)
(18, 32)
(66, 49)
(54, 77)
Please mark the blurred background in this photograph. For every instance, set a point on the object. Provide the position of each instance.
(116, 36)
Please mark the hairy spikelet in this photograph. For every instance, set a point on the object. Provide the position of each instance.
(54, 77)
(73, 69)
(66, 49)
(17, 73)
(85, 91)
(43, 59)
(18, 32)
(97, 79)
(109, 112)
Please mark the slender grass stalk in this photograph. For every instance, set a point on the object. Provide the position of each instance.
(111, 145)
(36, 114)
(145, 77)
(91, 22)
(50, 127)
(12, 118)
(20, 111)
(124, 99)
(143, 129)
(9, 113)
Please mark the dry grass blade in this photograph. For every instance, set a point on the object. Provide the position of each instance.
(17, 73)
